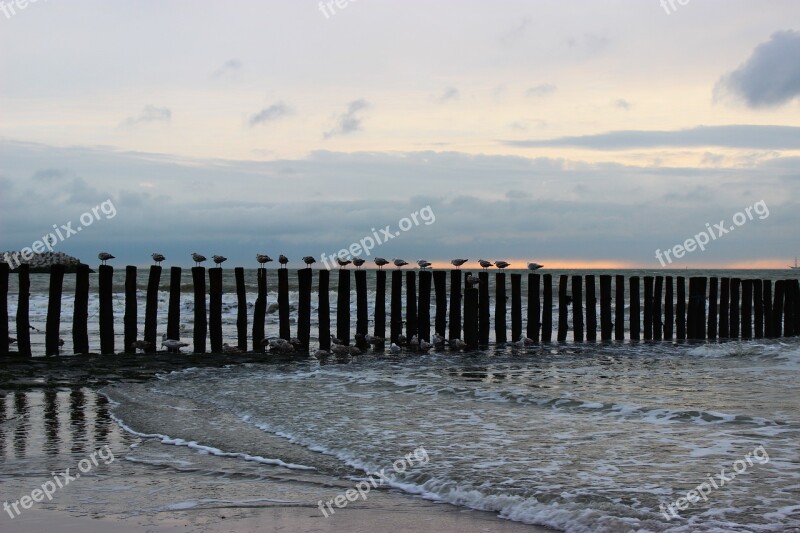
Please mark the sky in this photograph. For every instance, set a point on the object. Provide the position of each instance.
(574, 134)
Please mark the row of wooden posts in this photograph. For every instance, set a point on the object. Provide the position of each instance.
(737, 308)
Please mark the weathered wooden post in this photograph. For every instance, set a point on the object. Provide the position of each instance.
(284, 328)
(241, 308)
(52, 330)
(733, 325)
(131, 331)
(411, 304)
(471, 318)
(563, 309)
(484, 309)
(380, 305)
(23, 306)
(712, 308)
(396, 307)
(455, 304)
(747, 309)
(788, 309)
(215, 309)
(260, 310)
(362, 312)
(174, 309)
(343, 307)
(577, 308)
(534, 306)
(758, 297)
(151, 308)
(724, 308)
(658, 324)
(680, 309)
(777, 308)
(440, 288)
(768, 319)
(80, 315)
(591, 309)
(547, 308)
(669, 309)
(4, 273)
(200, 318)
(634, 308)
(324, 309)
(304, 282)
(106, 288)
(619, 308)
(516, 307)
(648, 308)
(424, 326)
(697, 308)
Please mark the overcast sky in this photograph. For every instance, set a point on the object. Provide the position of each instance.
(577, 133)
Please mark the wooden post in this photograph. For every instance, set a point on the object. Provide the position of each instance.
(758, 297)
(471, 318)
(200, 320)
(500, 309)
(362, 312)
(619, 308)
(151, 308)
(635, 318)
(796, 289)
(424, 326)
(747, 309)
(106, 288)
(733, 325)
(4, 274)
(304, 282)
(788, 309)
(605, 308)
(174, 310)
(669, 309)
(547, 308)
(658, 324)
(563, 309)
(260, 310)
(52, 330)
(23, 316)
(380, 304)
(700, 307)
(241, 309)
(724, 307)
(712, 308)
(591, 309)
(516, 307)
(324, 309)
(440, 287)
(768, 318)
(343, 307)
(680, 309)
(455, 304)
(777, 309)
(484, 312)
(131, 331)
(284, 330)
(534, 306)
(411, 304)
(80, 315)
(215, 309)
(648, 308)
(577, 308)
(396, 307)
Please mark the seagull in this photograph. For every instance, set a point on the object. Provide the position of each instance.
(399, 263)
(437, 340)
(395, 348)
(502, 264)
(104, 256)
(157, 257)
(485, 264)
(197, 258)
(283, 260)
(219, 259)
(471, 281)
(263, 259)
(534, 266)
(309, 260)
(322, 354)
(172, 344)
(358, 261)
(524, 341)
(340, 349)
(343, 262)
(423, 264)
(458, 344)
(424, 345)
(354, 350)
(381, 262)
(458, 262)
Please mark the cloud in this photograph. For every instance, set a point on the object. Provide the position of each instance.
(623, 104)
(150, 114)
(770, 77)
(268, 114)
(230, 68)
(734, 136)
(516, 33)
(349, 121)
(544, 89)
(451, 93)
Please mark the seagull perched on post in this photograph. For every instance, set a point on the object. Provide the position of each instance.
(197, 258)
(502, 264)
(534, 266)
(381, 262)
(218, 259)
(423, 264)
(358, 261)
(343, 262)
(309, 260)
(104, 256)
(458, 262)
(399, 263)
(157, 257)
(283, 260)
(485, 264)
(263, 259)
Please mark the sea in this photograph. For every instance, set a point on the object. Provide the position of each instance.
(579, 437)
